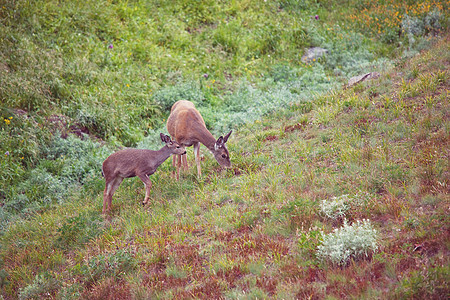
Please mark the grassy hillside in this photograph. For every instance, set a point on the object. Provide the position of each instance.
(333, 193)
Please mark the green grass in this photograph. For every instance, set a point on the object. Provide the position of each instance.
(300, 143)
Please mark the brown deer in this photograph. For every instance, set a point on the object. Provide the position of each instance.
(187, 127)
(135, 162)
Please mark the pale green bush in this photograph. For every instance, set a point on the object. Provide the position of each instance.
(248, 104)
(337, 207)
(350, 241)
(168, 95)
(75, 158)
(65, 165)
(415, 28)
(433, 20)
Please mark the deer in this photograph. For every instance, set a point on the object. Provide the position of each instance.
(186, 125)
(131, 162)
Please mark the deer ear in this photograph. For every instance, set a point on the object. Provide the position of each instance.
(165, 138)
(225, 139)
(219, 143)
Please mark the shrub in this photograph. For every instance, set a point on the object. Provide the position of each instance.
(167, 96)
(5, 218)
(66, 164)
(40, 188)
(349, 241)
(71, 147)
(417, 26)
(388, 19)
(115, 265)
(433, 20)
(71, 292)
(283, 73)
(349, 55)
(413, 27)
(309, 241)
(93, 118)
(77, 158)
(19, 148)
(43, 285)
(336, 207)
(248, 104)
(429, 283)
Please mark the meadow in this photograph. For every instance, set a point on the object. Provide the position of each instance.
(335, 192)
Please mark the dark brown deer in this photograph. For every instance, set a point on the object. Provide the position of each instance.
(187, 127)
(135, 162)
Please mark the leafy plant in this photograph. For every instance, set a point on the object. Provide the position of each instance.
(336, 207)
(429, 283)
(43, 285)
(116, 265)
(353, 241)
(77, 158)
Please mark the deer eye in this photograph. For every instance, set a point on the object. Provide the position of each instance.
(224, 156)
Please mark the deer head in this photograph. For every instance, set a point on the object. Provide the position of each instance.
(173, 146)
(221, 153)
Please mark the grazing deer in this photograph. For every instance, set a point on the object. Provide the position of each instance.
(187, 127)
(135, 162)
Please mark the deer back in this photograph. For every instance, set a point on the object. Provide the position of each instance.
(186, 125)
(128, 162)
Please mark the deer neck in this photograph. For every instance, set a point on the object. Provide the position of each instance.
(206, 138)
(161, 155)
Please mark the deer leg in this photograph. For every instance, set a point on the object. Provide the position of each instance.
(178, 166)
(105, 198)
(148, 186)
(106, 192)
(174, 163)
(185, 163)
(110, 188)
(197, 158)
